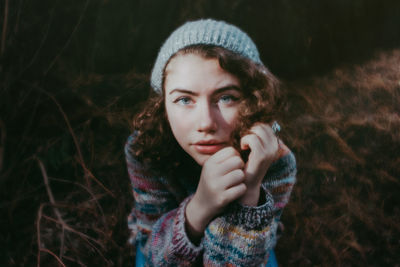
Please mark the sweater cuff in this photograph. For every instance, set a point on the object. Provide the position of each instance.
(252, 218)
(181, 241)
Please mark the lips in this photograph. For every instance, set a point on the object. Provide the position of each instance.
(208, 146)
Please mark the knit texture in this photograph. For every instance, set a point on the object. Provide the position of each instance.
(241, 236)
(209, 32)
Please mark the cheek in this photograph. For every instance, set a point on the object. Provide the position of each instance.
(230, 117)
(179, 125)
(176, 123)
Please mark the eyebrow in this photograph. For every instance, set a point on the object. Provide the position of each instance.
(218, 91)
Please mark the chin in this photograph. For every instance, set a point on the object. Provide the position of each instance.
(201, 159)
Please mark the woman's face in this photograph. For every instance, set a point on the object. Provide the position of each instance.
(202, 102)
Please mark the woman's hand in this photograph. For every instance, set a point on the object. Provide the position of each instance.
(263, 145)
(221, 182)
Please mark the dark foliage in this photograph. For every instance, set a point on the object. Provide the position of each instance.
(72, 74)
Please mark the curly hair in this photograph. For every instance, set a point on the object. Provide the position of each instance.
(155, 144)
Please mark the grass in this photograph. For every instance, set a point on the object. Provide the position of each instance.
(67, 193)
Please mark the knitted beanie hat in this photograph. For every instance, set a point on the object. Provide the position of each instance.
(209, 32)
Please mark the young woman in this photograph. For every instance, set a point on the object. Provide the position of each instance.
(210, 176)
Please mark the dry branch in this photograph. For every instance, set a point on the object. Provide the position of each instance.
(88, 173)
(5, 25)
(69, 39)
(52, 254)
(64, 226)
(3, 143)
(49, 192)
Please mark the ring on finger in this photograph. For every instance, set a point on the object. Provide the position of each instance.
(276, 127)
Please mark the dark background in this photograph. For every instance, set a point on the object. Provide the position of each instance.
(73, 72)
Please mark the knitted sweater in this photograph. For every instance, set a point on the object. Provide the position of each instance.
(240, 236)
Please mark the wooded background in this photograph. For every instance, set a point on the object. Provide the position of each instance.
(72, 74)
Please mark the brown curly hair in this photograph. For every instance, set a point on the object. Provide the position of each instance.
(155, 144)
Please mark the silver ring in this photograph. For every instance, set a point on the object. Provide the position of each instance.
(276, 127)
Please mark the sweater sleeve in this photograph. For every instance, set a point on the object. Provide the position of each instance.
(157, 220)
(243, 236)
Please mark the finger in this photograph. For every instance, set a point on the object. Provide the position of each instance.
(268, 138)
(252, 142)
(270, 132)
(273, 140)
(261, 133)
(232, 179)
(265, 132)
(223, 154)
(256, 153)
(235, 192)
(230, 164)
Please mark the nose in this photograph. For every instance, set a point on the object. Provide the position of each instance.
(207, 118)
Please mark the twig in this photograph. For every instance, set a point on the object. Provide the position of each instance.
(54, 255)
(69, 40)
(40, 249)
(54, 204)
(16, 27)
(49, 192)
(41, 43)
(59, 220)
(5, 25)
(78, 149)
(75, 260)
(61, 254)
(95, 198)
(91, 175)
(38, 231)
(86, 238)
(69, 228)
(3, 143)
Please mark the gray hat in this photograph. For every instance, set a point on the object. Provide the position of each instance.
(208, 31)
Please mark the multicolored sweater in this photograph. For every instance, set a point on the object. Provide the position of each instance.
(241, 236)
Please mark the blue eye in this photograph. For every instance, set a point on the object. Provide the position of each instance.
(227, 99)
(183, 101)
